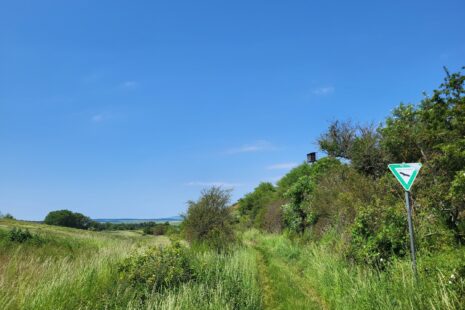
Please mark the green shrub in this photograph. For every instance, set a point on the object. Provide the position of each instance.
(209, 220)
(7, 216)
(253, 204)
(19, 235)
(271, 217)
(158, 229)
(159, 268)
(457, 197)
(226, 280)
(292, 176)
(378, 233)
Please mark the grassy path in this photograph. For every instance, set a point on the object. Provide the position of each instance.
(283, 284)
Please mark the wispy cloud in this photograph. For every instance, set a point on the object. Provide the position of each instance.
(322, 91)
(97, 118)
(280, 166)
(208, 184)
(129, 84)
(250, 148)
(92, 77)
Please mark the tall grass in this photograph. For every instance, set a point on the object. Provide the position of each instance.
(346, 286)
(224, 281)
(74, 269)
(70, 269)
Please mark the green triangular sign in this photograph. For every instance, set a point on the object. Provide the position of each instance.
(405, 173)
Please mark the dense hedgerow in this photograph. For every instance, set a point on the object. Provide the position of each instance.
(352, 191)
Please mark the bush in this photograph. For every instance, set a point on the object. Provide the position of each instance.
(8, 216)
(67, 218)
(254, 203)
(379, 232)
(271, 218)
(158, 229)
(209, 220)
(19, 235)
(160, 268)
(300, 212)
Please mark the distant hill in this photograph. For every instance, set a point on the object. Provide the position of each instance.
(128, 220)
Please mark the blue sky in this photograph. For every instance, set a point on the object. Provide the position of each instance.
(130, 108)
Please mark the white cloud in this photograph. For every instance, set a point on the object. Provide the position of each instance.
(250, 148)
(129, 84)
(322, 91)
(280, 166)
(209, 184)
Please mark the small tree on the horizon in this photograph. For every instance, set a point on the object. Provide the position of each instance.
(7, 216)
(67, 218)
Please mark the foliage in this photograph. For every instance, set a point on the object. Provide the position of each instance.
(227, 280)
(271, 217)
(378, 234)
(298, 212)
(359, 144)
(67, 218)
(457, 198)
(253, 206)
(7, 216)
(159, 268)
(252, 202)
(338, 140)
(159, 229)
(291, 177)
(434, 133)
(19, 235)
(208, 220)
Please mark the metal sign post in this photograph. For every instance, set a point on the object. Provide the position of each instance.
(412, 234)
(406, 174)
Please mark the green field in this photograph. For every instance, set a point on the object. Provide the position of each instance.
(75, 269)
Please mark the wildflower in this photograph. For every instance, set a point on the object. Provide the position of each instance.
(450, 282)
(452, 276)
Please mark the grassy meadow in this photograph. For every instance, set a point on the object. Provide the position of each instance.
(64, 268)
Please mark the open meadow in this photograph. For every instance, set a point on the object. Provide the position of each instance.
(65, 268)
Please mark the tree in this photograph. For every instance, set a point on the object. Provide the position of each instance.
(359, 144)
(68, 219)
(208, 220)
(253, 203)
(366, 153)
(299, 213)
(292, 176)
(433, 132)
(7, 216)
(338, 140)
